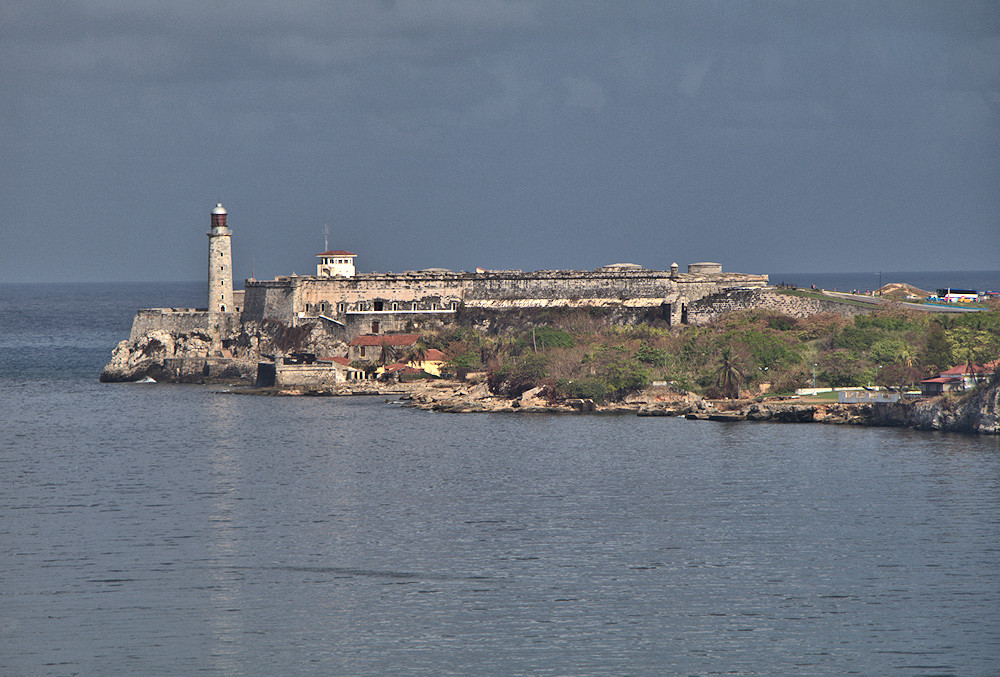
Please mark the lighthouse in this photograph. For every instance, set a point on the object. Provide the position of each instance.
(220, 264)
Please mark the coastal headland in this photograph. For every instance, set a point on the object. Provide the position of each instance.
(719, 344)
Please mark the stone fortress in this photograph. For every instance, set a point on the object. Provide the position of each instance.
(349, 304)
(327, 310)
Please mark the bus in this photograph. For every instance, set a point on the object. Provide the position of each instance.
(952, 295)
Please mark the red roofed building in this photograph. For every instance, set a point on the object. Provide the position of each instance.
(961, 377)
(399, 369)
(344, 364)
(369, 346)
(432, 361)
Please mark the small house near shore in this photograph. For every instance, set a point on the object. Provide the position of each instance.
(959, 378)
(372, 346)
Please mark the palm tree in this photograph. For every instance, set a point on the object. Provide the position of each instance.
(387, 355)
(489, 354)
(730, 379)
(906, 357)
(417, 354)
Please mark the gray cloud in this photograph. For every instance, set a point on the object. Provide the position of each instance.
(506, 134)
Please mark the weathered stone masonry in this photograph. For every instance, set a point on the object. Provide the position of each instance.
(389, 302)
(708, 308)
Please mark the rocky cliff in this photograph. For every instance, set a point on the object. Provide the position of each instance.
(977, 412)
(181, 354)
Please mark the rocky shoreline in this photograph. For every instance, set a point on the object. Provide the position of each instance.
(979, 413)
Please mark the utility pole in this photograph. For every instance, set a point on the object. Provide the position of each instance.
(814, 378)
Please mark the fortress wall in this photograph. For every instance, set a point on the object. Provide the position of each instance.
(179, 321)
(285, 298)
(604, 285)
(356, 324)
(224, 325)
(497, 319)
(307, 375)
(571, 284)
(369, 288)
(712, 306)
(268, 300)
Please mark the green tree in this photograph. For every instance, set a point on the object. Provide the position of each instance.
(549, 337)
(623, 375)
(887, 349)
(840, 369)
(388, 354)
(519, 374)
(729, 377)
(417, 354)
(937, 351)
(656, 357)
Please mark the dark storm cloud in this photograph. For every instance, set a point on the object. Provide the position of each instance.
(788, 135)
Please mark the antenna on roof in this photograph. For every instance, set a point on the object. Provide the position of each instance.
(251, 268)
(326, 233)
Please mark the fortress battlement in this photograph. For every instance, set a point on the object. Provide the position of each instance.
(339, 299)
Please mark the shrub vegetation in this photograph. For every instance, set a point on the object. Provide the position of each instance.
(582, 355)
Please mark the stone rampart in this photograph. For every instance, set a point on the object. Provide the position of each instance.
(392, 322)
(618, 285)
(197, 369)
(177, 321)
(316, 375)
(288, 298)
(172, 320)
(269, 300)
(709, 307)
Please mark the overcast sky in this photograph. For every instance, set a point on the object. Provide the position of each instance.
(767, 136)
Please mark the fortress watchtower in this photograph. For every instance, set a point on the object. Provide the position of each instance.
(220, 264)
(336, 263)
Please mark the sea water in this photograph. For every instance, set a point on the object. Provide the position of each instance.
(162, 529)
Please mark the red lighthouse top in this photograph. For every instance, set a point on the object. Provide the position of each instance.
(219, 216)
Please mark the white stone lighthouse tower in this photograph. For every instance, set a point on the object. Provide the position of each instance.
(220, 264)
